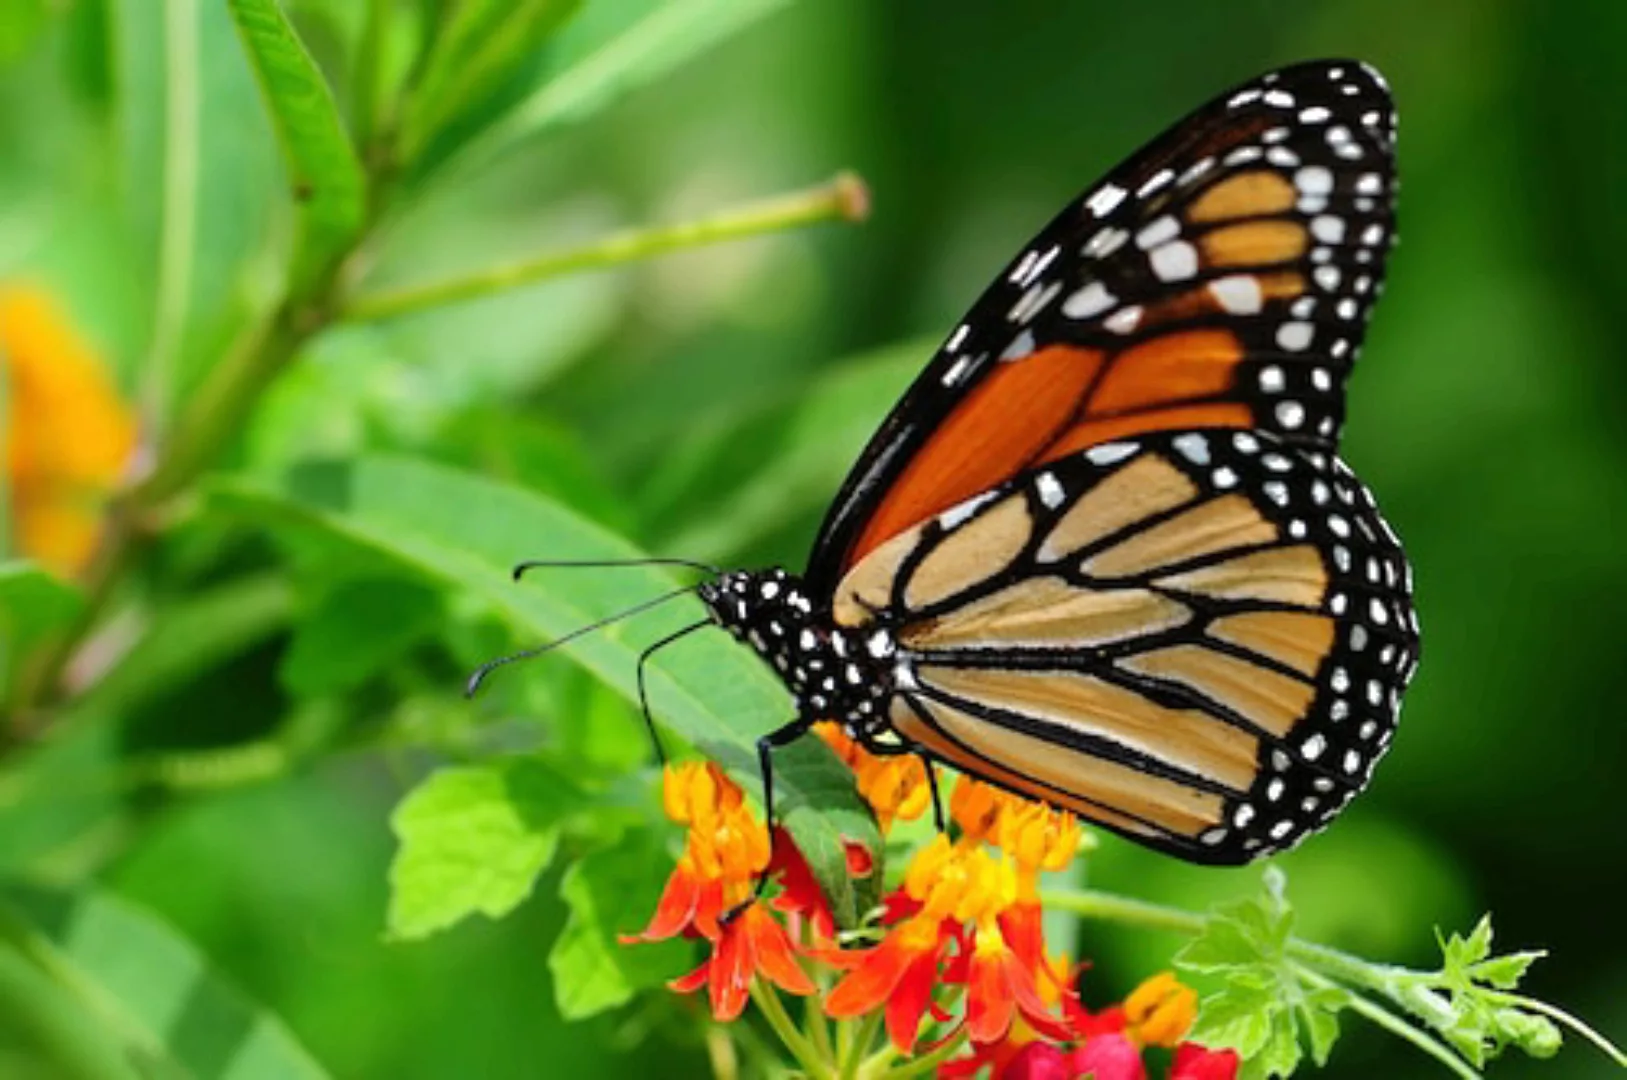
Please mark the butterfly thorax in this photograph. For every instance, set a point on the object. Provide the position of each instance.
(833, 673)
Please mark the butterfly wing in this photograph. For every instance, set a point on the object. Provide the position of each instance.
(1221, 277)
(1198, 639)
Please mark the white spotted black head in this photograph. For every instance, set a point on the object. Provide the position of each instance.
(832, 673)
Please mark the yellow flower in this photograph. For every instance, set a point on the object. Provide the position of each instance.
(895, 786)
(1160, 1011)
(68, 435)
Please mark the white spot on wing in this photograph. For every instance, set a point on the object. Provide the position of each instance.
(1106, 199)
(1091, 300)
(1238, 294)
(1175, 261)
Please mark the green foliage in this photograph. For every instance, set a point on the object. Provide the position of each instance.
(473, 840)
(1466, 1003)
(264, 670)
(714, 695)
(1263, 1010)
(329, 189)
(609, 893)
(33, 604)
(114, 993)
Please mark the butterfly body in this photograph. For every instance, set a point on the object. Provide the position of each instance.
(1103, 551)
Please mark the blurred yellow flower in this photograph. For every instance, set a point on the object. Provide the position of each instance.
(68, 435)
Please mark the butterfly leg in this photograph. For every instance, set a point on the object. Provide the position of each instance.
(782, 736)
(892, 749)
(937, 799)
(643, 694)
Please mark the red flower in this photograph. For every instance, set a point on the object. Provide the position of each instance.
(1194, 1062)
(900, 973)
(1108, 1057)
(752, 944)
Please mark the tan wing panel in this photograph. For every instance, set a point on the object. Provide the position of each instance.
(981, 548)
(1298, 640)
(1218, 525)
(1049, 768)
(1271, 700)
(1048, 612)
(1186, 739)
(1292, 575)
(1146, 486)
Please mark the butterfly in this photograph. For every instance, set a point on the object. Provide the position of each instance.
(1103, 553)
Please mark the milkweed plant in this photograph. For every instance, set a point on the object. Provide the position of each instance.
(160, 501)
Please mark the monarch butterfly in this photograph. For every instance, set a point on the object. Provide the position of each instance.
(1102, 552)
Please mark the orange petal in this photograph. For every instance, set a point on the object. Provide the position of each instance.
(688, 984)
(774, 955)
(989, 1001)
(909, 1000)
(730, 977)
(871, 981)
(673, 912)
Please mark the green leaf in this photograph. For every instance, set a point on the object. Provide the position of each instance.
(483, 45)
(612, 892)
(134, 982)
(468, 532)
(330, 189)
(818, 439)
(473, 840)
(356, 630)
(1264, 1009)
(33, 603)
(598, 67)
(1318, 1013)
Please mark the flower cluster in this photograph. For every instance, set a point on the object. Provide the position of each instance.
(68, 435)
(957, 947)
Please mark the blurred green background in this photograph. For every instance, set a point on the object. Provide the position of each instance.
(707, 403)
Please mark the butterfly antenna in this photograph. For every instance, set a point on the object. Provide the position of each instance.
(520, 569)
(480, 673)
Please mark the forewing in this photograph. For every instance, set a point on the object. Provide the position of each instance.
(1221, 277)
(1199, 639)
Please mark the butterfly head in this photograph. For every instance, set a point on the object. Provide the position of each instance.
(833, 673)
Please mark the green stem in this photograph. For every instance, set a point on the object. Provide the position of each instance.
(773, 1010)
(222, 404)
(927, 1062)
(842, 199)
(178, 236)
(860, 1046)
(1552, 1012)
(819, 1029)
(366, 92)
(1091, 904)
(1394, 1024)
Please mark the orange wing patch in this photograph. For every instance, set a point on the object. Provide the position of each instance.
(1010, 417)
(1250, 194)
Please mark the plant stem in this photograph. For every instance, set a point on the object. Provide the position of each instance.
(179, 201)
(222, 404)
(819, 1029)
(1394, 1024)
(860, 1046)
(773, 1010)
(926, 1062)
(1091, 904)
(843, 198)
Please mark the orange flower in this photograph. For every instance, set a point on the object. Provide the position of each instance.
(957, 893)
(68, 436)
(1160, 1011)
(895, 786)
(752, 944)
(724, 852)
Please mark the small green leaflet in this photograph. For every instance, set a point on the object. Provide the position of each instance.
(1264, 1010)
